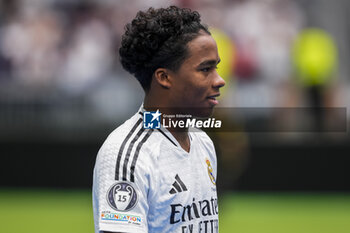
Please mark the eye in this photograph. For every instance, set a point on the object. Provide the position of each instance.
(207, 69)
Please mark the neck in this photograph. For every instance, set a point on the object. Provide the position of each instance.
(182, 138)
(155, 99)
(153, 102)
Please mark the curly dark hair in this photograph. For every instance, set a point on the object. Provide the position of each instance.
(157, 38)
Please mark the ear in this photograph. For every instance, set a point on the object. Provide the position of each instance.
(162, 77)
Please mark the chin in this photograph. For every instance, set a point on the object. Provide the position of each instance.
(199, 110)
(203, 112)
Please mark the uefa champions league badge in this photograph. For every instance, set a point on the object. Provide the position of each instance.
(122, 196)
(210, 172)
(151, 120)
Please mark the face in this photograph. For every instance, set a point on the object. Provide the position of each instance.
(196, 84)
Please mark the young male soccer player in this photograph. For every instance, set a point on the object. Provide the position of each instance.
(162, 180)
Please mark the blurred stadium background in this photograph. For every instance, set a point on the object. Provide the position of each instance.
(62, 90)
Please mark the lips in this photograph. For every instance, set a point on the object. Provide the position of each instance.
(213, 99)
(213, 96)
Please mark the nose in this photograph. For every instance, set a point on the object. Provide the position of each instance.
(218, 81)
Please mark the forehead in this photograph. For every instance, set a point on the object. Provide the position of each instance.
(201, 49)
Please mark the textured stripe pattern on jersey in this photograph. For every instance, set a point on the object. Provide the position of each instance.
(138, 148)
(131, 153)
(122, 148)
(127, 156)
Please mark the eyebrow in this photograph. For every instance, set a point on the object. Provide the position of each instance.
(210, 62)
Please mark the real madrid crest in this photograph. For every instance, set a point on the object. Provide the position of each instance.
(210, 172)
(122, 196)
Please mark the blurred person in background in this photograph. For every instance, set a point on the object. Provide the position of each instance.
(263, 32)
(31, 43)
(89, 53)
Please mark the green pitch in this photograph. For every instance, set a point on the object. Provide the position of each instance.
(71, 212)
(285, 213)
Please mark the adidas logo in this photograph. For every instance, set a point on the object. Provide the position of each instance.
(178, 186)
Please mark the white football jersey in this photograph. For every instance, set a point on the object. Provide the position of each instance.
(144, 181)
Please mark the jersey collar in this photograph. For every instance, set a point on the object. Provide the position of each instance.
(165, 131)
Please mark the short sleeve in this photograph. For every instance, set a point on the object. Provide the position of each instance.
(120, 205)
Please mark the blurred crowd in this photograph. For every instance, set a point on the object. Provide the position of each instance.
(61, 50)
(69, 45)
